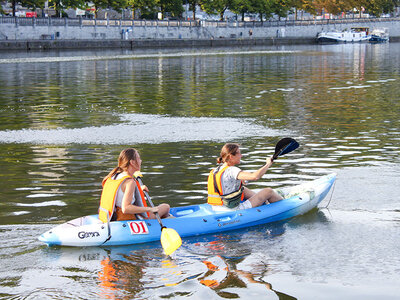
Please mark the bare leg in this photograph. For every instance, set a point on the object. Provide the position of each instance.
(266, 195)
(163, 211)
(248, 193)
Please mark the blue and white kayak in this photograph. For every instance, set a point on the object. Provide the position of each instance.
(189, 220)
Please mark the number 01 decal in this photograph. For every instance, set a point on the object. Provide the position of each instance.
(138, 227)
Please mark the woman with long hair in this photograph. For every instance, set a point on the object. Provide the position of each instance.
(122, 197)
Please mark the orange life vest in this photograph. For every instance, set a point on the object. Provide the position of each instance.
(214, 187)
(109, 195)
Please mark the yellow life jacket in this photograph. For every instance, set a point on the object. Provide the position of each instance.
(109, 195)
(214, 187)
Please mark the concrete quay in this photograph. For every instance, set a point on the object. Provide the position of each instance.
(49, 34)
(147, 43)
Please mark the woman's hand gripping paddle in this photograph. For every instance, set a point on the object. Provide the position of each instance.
(285, 146)
(170, 239)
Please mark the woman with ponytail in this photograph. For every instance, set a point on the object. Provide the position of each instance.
(122, 197)
(226, 183)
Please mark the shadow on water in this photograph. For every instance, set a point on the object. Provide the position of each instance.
(316, 215)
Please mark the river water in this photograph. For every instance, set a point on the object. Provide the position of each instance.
(65, 116)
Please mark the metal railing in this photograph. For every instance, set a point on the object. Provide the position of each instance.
(22, 21)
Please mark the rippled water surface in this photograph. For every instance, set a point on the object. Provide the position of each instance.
(65, 116)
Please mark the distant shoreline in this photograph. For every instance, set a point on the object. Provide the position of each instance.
(35, 45)
(48, 34)
(45, 45)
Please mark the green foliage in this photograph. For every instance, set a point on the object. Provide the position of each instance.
(31, 4)
(118, 5)
(148, 9)
(192, 6)
(241, 7)
(61, 5)
(174, 7)
(264, 8)
(100, 4)
(282, 7)
(379, 7)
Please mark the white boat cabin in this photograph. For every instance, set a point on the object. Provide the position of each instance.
(354, 35)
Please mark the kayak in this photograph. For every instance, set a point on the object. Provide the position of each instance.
(189, 220)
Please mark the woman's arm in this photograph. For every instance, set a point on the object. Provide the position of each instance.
(243, 175)
(127, 206)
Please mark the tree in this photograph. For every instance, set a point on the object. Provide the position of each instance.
(216, 7)
(147, 8)
(379, 7)
(307, 6)
(60, 5)
(264, 8)
(241, 7)
(192, 6)
(118, 5)
(359, 5)
(336, 6)
(282, 7)
(174, 7)
(298, 5)
(31, 4)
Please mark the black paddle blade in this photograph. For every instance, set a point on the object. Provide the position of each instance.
(284, 146)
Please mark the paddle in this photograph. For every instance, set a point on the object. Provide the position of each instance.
(170, 239)
(285, 146)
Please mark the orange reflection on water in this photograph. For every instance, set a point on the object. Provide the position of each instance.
(107, 277)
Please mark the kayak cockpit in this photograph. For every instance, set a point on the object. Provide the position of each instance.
(192, 211)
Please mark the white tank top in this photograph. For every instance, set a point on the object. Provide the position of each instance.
(120, 194)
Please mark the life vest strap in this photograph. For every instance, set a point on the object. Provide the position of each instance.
(215, 179)
(214, 196)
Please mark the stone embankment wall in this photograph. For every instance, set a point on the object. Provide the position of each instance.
(78, 33)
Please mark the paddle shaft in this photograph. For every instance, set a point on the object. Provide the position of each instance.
(151, 203)
(275, 156)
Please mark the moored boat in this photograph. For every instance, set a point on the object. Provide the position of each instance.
(189, 220)
(379, 35)
(354, 35)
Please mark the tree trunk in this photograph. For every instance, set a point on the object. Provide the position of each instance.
(14, 3)
(162, 9)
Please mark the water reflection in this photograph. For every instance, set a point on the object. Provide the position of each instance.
(228, 265)
(228, 268)
(228, 277)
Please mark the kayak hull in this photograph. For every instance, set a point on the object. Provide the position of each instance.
(189, 220)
